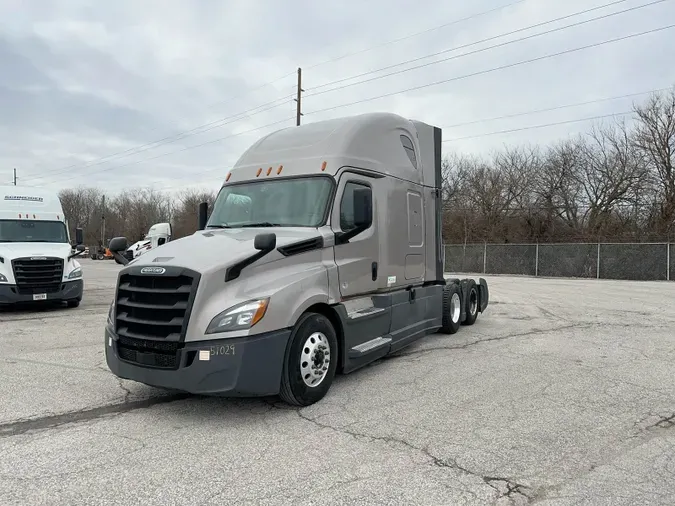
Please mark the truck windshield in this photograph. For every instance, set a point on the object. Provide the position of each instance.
(298, 202)
(32, 231)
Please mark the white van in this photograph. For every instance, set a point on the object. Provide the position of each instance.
(37, 262)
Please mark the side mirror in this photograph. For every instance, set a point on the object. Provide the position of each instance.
(203, 211)
(80, 248)
(118, 244)
(79, 236)
(363, 208)
(265, 242)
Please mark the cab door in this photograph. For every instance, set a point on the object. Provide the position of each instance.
(357, 259)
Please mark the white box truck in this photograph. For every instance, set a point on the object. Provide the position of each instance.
(37, 262)
(323, 253)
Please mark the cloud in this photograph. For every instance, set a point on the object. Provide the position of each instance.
(82, 82)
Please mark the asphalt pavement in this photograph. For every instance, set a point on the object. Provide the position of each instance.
(562, 393)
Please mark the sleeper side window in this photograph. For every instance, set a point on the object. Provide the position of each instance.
(409, 149)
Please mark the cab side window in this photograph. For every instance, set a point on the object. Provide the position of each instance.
(347, 205)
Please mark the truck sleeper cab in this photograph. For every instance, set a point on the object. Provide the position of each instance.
(37, 262)
(322, 253)
(158, 234)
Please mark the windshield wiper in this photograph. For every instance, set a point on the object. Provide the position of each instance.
(261, 224)
(218, 226)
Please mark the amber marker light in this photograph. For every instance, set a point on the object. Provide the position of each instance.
(280, 169)
(228, 177)
(259, 171)
(323, 166)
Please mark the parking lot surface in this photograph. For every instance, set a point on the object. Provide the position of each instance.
(562, 393)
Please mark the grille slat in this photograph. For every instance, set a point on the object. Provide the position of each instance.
(151, 316)
(38, 276)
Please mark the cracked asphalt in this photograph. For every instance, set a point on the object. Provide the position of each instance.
(562, 393)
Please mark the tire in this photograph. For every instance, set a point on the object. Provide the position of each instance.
(73, 303)
(294, 390)
(471, 303)
(452, 308)
(100, 256)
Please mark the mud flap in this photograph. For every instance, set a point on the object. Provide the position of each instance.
(484, 294)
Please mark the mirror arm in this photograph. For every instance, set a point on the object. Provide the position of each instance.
(344, 237)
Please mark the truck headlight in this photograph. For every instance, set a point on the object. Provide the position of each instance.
(75, 273)
(3, 278)
(240, 317)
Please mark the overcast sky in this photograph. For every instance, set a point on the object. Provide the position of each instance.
(82, 80)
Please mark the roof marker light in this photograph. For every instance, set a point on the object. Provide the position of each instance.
(269, 171)
(279, 169)
(323, 166)
(228, 177)
(259, 171)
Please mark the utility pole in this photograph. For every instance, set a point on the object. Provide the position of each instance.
(298, 108)
(14, 177)
(103, 221)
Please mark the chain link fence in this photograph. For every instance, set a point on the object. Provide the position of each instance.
(629, 261)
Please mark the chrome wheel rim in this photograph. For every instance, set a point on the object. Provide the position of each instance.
(473, 302)
(455, 307)
(315, 359)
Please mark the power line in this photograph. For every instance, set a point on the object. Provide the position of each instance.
(556, 108)
(488, 48)
(514, 129)
(534, 127)
(151, 145)
(393, 41)
(413, 60)
(181, 135)
(494, 69)
(184, 149)
(568, 51)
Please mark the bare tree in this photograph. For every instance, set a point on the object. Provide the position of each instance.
(655, 138)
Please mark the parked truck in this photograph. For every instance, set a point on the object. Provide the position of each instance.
(37, 261)
(158, 234)
(322, 254)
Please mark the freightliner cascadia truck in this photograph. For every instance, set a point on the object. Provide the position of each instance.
(322, 253)
(37, 262)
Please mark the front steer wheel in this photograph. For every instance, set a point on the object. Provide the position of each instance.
(310, 361)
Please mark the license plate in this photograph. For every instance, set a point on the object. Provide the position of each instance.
(39, 296)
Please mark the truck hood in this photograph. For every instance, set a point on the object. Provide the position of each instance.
(12, 250)
(135, 245)
(210, 249)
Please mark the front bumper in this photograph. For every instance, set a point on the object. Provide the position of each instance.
(69, 290)
(238, 367)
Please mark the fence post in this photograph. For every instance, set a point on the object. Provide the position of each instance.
(536, 260)
(597, 264)
(485, 257)
(668, 261)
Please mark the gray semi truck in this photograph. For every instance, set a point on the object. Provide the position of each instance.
(322, 253)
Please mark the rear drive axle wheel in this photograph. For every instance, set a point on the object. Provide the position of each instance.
(452, 308)
(471, 303)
